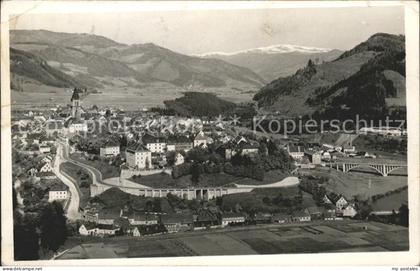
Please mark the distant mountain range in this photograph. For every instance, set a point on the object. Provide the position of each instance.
(368, 80)
(98, 62)
(276, 61)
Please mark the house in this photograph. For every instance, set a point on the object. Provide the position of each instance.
(200, 140)
(154, 144)
(349, 211)
(296, 152)
(142, 219)
(98, 230)
(341, 203)
(348, 149)
(314, 157)
(249, 149)
(179, 143)
(331, 216)
(46, 159)
(44, 167)
(76, 125)
(179, 159)
(46, 175)
(107, 216)
(44, 149)
(315, 212)
(326, 200)
(205, 218)
(177, 222)
(58, 192)
(326, 156)
(281, 218)
(134, 231)
(137, 156)
(301, 216)
(109, 150)
(87, 230)
(232, 218)
(262, 218)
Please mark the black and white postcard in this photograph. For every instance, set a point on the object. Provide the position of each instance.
(168, 132)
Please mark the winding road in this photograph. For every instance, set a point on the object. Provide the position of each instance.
(74, 200)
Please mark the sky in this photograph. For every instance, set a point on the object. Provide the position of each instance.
(203, 31)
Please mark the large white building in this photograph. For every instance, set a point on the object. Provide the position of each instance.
(58, 193)
(109, 150)
(139, 157)
(154, 144)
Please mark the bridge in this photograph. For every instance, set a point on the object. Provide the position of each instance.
(383, 169)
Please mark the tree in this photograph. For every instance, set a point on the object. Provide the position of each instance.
(170, 157)
(196, 170)
(53, 226)
(403, 215)
(26, 242)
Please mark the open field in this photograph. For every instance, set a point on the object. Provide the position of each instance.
(391, 202)
(333, 236)
(357, 183)
(83, 178)
(107, 170)
(206, 180)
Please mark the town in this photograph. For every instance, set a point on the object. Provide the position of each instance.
(141, 173)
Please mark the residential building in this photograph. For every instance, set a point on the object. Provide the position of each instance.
(341, 203)
(58, 192)
(296, 152)
(177, 222)
(232, 218)
(301, 216)
(314, 157)
(107, 217)
(200, 140)
(44, 149)
(46, 175)
(281, 218)
(179, 159)
(154, 144)
(326, 200)
(349, 211)
(97, 230)
(142, 219)
(109, 150)
(44, 167)
(54, 126)
(138, 157)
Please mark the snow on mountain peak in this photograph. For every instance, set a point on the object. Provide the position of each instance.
(273, 49)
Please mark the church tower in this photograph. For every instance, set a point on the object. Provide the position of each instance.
(75, 106)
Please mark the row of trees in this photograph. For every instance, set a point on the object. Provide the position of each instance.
(38, 232)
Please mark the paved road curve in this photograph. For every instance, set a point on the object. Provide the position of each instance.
(73, 205)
